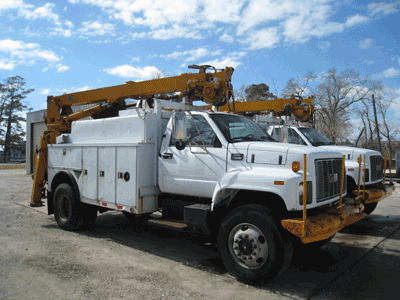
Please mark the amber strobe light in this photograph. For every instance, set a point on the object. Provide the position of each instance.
(295, 166)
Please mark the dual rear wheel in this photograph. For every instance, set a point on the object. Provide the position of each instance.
(71, 214)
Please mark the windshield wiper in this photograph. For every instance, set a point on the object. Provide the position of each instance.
(321, 144)
(248, 137)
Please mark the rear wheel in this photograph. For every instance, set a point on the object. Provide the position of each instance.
(136, 218)
(68, 211)
(251, 245)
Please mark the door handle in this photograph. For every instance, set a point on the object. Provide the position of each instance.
(167, 155)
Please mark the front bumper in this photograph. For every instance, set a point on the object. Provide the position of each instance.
(324, 225)
(376, 194)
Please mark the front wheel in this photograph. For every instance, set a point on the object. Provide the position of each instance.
(251, 245)
(370, 207)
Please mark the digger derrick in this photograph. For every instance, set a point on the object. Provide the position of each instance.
(301, 109)
(214, 88)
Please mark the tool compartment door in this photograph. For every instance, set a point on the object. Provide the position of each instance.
(90, 172)
(106, 174)
(126, 176)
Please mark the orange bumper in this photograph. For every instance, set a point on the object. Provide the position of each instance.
(324, 225)
(375, 195)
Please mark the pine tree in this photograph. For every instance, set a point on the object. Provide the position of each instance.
(12, 95)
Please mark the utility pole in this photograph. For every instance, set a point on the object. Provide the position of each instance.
(376, 123)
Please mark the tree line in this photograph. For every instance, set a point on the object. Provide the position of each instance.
(342, 99)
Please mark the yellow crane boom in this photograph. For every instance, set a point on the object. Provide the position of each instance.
(301, 109)
(214, 88)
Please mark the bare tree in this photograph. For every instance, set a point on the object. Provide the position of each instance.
(335, 95)
(389, 130)
(299, 86)
(240, 94)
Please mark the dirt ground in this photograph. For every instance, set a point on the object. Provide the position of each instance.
(116, 260)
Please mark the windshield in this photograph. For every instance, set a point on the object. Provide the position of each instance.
(238, 128)
(315, 137)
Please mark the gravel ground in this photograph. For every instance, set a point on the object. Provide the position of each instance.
(116, 260)
(40, 261)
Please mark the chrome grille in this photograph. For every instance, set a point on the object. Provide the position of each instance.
(328, 176)
(376, 163)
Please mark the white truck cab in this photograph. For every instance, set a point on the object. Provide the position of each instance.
(374, 163)
(215, 171)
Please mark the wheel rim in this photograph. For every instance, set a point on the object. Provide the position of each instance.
(248, 246)
(63, 207)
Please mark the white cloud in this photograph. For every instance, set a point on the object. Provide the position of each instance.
(391, 72)
(356, 20)
(61, 31)
(94, 28)
(324, 45)
(365, 44)
(399, 60)
(21, 53)
(368, 62)
(232, 59)
(8, 45)
(288, 21)
(11, 4)
(176, 31)
(61, 68)
(264, 38)
(128, 71)
(44, 12)
(45, 91)
(6, 65)
(81, 89)
(383, 7)
(136, 58)
(226, 38)
(192, 54)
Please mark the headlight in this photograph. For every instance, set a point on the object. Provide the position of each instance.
(309, 192)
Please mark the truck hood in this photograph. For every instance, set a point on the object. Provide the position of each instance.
(273, 153)
(351, 152)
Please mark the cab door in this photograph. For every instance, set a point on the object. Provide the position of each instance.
(195, 170)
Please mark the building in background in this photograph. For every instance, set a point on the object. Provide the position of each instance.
(35, 127)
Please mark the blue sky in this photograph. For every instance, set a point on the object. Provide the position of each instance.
(66, 46)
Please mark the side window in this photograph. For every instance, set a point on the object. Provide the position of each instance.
(294, 137)
(276, 134)
(207, 133)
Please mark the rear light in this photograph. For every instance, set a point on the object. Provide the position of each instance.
(295, 166)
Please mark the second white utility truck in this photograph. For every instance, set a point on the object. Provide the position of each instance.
(374, 191)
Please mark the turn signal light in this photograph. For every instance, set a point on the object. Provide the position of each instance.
(295, 166)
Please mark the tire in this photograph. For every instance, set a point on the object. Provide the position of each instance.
(370, 207)
(251, 246)
(68, 211)
(89, 216)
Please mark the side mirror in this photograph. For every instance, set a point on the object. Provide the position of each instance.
(179, 129)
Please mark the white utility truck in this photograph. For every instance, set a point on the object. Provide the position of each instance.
(374, 163)
(213, 171)
(210, 170)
